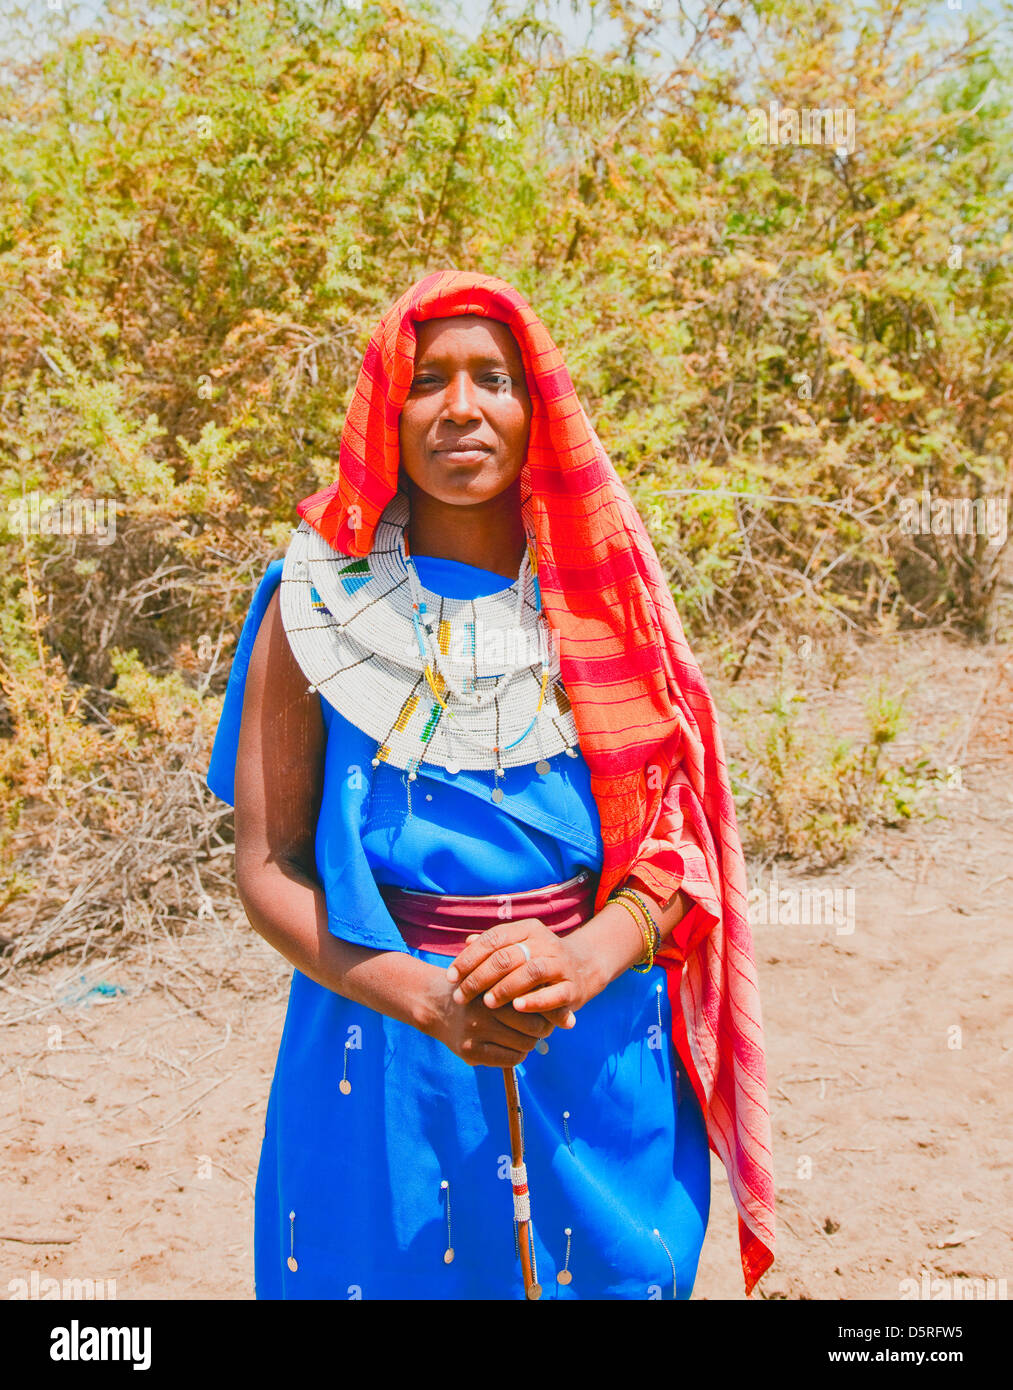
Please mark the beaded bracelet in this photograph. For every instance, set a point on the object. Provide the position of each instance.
(641, 901)
(652, 934)
(639, 966)
(648, 927)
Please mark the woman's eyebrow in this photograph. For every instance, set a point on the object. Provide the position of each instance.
(435, 359)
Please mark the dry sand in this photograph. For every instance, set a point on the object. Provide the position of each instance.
(130, 1123)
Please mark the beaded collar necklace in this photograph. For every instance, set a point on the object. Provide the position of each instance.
(457, 683)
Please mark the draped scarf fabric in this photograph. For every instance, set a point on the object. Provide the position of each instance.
(645, 719)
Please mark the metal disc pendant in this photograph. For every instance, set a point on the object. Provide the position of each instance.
(572, 753)
(345, 1087)
(564, 1276)
(293, 1263)
(535, 1292)
(541, 1046)
(542, 766)
(497, 794)
(448, 1255)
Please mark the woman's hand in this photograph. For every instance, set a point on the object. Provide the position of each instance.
(552, 975)
(481, 1036)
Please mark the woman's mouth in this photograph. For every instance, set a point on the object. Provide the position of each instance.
(473, 455)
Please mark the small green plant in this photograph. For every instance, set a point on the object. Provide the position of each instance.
(810, 794)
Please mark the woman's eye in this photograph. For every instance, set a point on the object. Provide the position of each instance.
(499, 380)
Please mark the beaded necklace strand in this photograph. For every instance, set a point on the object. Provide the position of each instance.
(430, 654)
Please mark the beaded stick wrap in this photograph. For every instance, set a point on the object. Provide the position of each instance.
(522, 1199)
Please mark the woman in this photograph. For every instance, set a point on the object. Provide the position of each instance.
(494, 830)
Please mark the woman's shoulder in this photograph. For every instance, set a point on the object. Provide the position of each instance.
(264, 677)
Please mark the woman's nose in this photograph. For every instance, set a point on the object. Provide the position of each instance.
(460, 399)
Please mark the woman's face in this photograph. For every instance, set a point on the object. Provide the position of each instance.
(464, 424)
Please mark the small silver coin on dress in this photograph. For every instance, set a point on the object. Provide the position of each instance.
(498, 794)
(541, 1046)
(541, 766)
(345, 1087)
(293, 1263)
(535, 1292)
(564, 1276)
(448, 1256)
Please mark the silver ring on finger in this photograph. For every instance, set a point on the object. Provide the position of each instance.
(526, 949)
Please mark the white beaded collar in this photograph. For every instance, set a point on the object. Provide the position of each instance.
(350, 624)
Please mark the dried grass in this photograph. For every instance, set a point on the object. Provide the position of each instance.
(156, 900)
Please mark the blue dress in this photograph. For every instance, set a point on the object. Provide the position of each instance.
(365, 1191)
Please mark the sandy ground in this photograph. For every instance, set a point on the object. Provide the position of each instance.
(130, 1122)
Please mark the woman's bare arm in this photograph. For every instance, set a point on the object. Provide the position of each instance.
(278, 788)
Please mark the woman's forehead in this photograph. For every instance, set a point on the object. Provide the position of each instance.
(473, 325)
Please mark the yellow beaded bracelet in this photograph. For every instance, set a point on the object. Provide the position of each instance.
(648, 928)
(652, 938)
(638, 966)
(642, 904)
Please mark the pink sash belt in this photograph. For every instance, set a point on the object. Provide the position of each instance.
(441, 922)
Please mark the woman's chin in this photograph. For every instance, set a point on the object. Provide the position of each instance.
(464, 485)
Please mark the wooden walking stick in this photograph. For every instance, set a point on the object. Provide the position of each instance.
(519, 1183)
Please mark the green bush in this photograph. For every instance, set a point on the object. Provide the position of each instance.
(209, 205)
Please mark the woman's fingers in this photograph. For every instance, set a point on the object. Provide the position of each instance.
(559, 1018)
(531, 1025)
(553, 1000)
(497, 988)
(502, 1037)
(483, 1054)
(493, 1030)
(509, 970)
(479, 949)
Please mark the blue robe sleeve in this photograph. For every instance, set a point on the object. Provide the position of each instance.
(221, 776)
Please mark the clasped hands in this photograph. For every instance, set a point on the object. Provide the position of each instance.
(511, 985)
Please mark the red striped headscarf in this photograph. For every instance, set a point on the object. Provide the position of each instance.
(644, 716)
